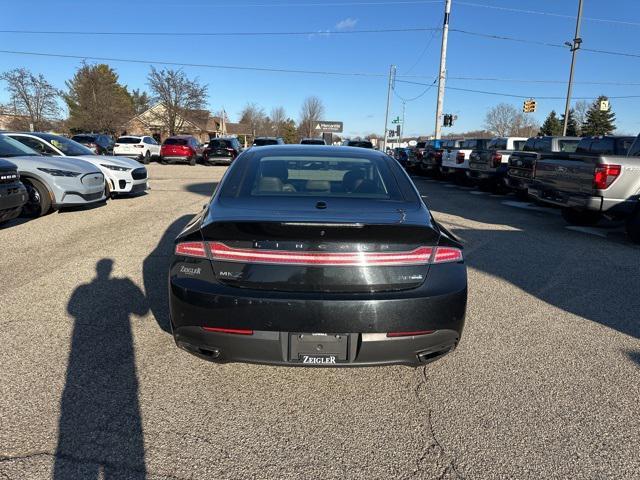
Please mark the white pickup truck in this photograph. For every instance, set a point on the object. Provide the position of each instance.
(455, 161)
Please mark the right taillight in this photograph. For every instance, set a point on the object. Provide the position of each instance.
(447, 255)
(605, 175)
(460, 157)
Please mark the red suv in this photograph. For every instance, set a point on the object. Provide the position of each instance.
(180, 148)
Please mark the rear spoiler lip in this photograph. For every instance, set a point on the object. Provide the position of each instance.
(444, 232)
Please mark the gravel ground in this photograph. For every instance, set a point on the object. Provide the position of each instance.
(545, 383)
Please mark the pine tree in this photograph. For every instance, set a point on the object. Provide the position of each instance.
(597, 121)
(551, 125)
(572, 125)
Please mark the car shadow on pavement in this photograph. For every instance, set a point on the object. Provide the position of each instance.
(100, 428)
(634, 356)
(205, 188)
(155, 269)
(591, 277)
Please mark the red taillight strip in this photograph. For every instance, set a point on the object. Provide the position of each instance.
(419, 256)
(191, 249)
(409, 334)
(447, 254)
(235, 331)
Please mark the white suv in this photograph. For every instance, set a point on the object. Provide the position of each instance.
(138, 148)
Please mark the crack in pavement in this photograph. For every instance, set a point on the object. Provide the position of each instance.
(440, 460)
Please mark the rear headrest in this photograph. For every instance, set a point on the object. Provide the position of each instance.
(270, 184)
(318, 186)
(351, 179)
(276, 168)
(366, 186)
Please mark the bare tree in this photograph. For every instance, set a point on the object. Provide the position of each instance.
(505, 119)
(278, 119)
(501, 118)
(580, 110)
(312, 111)
(178, 94)
(254, 117)
(32, 96)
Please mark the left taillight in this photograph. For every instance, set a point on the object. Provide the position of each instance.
(191, 249)
(605, 175)
(496, 160)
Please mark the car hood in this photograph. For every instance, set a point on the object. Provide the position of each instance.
(29, 163)
(109, 160)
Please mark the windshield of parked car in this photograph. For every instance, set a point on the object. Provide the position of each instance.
(313, 176)
(67, 146)
(129, 140)
(176, 141)
(13, 148)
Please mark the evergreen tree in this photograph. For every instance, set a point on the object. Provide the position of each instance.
(552, 125)
(572, 125)
(289, 131)
(597, 121)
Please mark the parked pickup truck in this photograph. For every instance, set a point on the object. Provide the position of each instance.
(489, 165)
(602, 178)
(522, 163)
(456, 161)
(431, 158)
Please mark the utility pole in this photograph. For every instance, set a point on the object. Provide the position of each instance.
(575, 46)
(404, 104)
(392, 76)
(443, 67)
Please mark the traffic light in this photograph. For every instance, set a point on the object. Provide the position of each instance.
(529, 106)
(448, 120)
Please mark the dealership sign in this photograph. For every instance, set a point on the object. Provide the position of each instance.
(328, 127)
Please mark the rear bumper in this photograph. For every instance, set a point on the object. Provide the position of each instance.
(220, 160)
(175, 158)
(438, 305)
(616, 207)
(274, 348)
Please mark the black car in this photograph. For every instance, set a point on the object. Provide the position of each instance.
(311, 255)
(221, 150)
(13, 194)
(101, 144)
(360, 144)
(313, 141)
(264, 141)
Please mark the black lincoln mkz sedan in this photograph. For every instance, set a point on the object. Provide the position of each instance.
(322, 256)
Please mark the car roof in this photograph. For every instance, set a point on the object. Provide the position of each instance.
(180, 136)
(318, 150)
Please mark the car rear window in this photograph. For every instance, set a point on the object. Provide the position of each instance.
(421, 144)
(176, 141)
(313, 176)
(129, 140)
(261, 142)
(498, 144)
(220, 144)
(518, 144)
(360, 143)
(84, 138)
(568, 146)
(312, 142)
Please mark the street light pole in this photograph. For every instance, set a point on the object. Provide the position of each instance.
(443, 67)
(392, 74)
(575, 46)
(404, 104)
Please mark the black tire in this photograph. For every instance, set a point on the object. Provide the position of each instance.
(522, 194)
(39, 202)
(633, 226)
(147, 158)
(162, 161)
(583, 218)
(191, 160)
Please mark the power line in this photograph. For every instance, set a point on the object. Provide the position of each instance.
(216, 34)
(201, 65)
(424, 92)
(424, 50)
(512, 95)
(530, 80)
(548, 14)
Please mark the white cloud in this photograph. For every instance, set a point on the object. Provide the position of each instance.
(346, 24)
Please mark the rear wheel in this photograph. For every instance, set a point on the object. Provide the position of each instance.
(39, 202)
(583, 218)
(147, 158)
(192, 160)
(633, 226)
(163, 161)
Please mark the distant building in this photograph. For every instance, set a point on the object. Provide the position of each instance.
(199, 123)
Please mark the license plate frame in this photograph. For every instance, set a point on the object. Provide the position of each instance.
(318, 348)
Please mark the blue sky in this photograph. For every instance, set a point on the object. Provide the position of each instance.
(358, 101)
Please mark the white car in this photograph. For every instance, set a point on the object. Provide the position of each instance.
(140, 148)
(122, 175)
(456, 160)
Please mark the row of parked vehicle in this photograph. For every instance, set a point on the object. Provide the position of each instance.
(589, 178)
(41, 172)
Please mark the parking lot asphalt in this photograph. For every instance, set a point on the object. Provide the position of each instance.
(545, 382)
